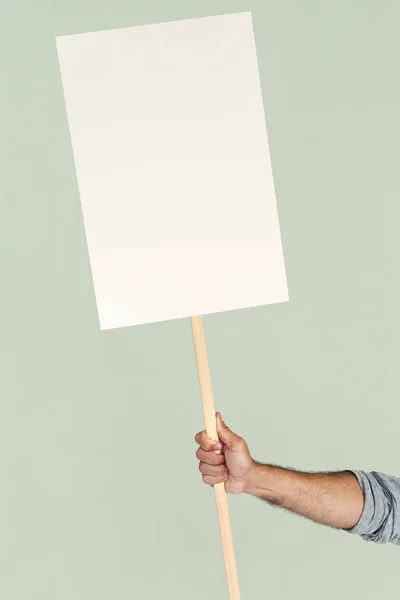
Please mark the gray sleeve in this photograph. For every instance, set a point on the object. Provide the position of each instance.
(380, 519)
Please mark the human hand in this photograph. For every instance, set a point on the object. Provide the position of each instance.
(228, 460)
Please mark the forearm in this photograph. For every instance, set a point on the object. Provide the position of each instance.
(333, 499)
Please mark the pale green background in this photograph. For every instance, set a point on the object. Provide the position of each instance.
(100, 494)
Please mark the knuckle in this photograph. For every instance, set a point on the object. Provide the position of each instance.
(241, 444)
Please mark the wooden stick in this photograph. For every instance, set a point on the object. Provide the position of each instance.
(211, 428)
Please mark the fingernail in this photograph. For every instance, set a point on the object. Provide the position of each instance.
(226, 476)
(218, 447)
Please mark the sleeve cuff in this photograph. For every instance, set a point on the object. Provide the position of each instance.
(361, 528)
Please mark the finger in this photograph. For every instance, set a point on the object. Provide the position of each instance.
(209, 480)
(213, 470)
(218, 417)
(210, 457)
(206, 443)
(230, 439)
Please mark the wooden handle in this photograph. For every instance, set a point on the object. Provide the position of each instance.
(211, 428)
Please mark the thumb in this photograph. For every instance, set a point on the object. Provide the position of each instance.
(228, 437)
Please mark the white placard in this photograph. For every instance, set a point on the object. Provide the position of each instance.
(171, 154)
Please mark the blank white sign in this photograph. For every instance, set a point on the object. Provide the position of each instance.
(171, 154)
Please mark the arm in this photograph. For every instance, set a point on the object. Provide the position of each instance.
(333, 499)
(366, 504)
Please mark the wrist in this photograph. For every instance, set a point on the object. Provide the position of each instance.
(257, 479)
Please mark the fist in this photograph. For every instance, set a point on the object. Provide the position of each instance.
(227, 460)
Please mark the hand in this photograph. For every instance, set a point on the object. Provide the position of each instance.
(226, 461)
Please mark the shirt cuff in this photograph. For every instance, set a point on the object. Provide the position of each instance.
(362, 526)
